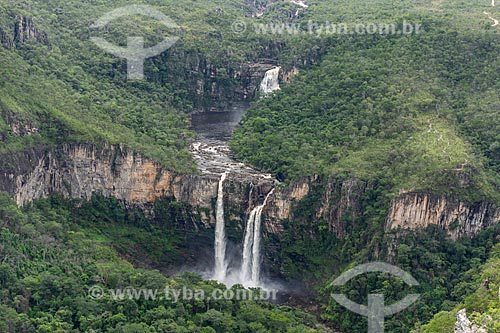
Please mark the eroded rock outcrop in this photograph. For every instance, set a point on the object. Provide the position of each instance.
(280, 205)
(336, 199)
(79, 171)
(464, 325)
(23, 30)
(458, 218)
(340, 200)
(216, 83)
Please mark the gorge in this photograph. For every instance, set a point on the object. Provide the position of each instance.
(274, 158)
(80, 170)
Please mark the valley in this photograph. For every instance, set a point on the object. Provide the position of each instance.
(249, 161)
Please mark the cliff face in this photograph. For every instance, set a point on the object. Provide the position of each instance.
(79, 171)
(336, 200)
(213, 84)
(417, 210)
(23, 30)
(464, 325)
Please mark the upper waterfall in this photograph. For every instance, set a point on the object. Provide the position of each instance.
(270, 82)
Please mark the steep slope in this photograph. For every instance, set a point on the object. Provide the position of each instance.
(398, 109)
(375, 134)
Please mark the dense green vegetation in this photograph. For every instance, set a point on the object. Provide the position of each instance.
(481, 305)
(414, 111)
(446, 269)
(417, 112)
(52, 254)
(55, 250)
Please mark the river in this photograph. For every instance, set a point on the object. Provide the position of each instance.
(211, 150)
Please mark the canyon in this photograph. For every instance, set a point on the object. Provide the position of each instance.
(251, 200)
(79, 170)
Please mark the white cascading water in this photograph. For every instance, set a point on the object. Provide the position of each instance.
(270, 82)
(220, 270)
(246, 265)
(250, 267)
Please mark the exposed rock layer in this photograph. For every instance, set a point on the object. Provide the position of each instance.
(419, 210)
(23, 30)
(80, 170)
(464, 325)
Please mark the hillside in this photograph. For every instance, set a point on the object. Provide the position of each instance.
(410, 111)
(376, 147)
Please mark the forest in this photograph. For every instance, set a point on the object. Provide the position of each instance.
(414, 113)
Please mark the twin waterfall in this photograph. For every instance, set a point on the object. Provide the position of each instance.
(249, 273)
(250, 267)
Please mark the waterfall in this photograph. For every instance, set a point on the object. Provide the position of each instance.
(270, 81)
(250, 267)
(246, 268)
(220, 235)
(245, 272)
(256, 246)
(250, 194)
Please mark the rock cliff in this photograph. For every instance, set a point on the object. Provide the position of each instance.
(335, 199)
(80, 170)
(23, 30)
(464, 325)
(213, 84)
(458, 218)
